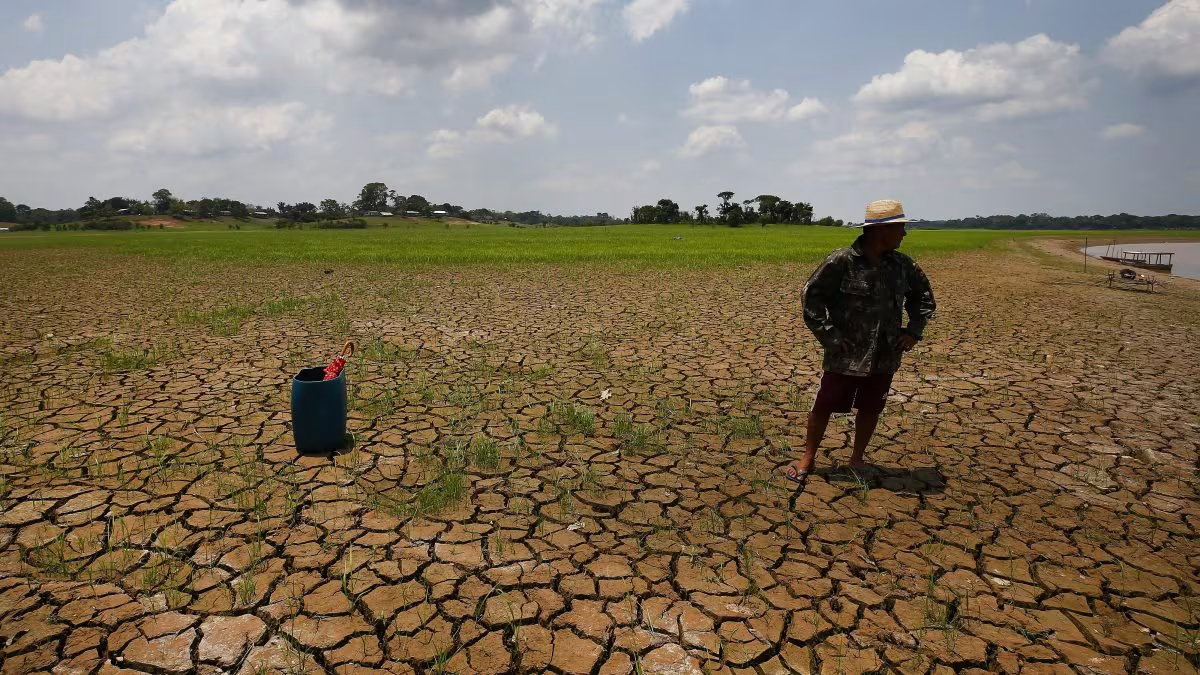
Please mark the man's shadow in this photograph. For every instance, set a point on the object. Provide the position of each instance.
(906, 481)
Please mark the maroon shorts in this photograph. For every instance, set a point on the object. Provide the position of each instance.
(839, 393)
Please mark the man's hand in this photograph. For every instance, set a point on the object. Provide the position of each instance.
(906, 342)
(839, 347)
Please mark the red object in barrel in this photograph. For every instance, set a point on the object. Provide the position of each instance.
(339, 362)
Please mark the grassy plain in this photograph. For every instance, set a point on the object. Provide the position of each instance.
(427, 244)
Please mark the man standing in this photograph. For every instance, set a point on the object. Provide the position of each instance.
(855, 304)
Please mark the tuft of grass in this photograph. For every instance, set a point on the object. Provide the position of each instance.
(744, 427)
(283, 305)
(485, 452)
(443, 492)
(117, 359)
(224, 320)
(623, 426)
(595, 353)
(570, 418)
(378, 406)
(379, 350)
(245, 589)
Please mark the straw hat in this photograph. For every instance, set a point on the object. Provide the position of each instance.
(884, 212)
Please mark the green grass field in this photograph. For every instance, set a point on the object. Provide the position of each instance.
(410, 243)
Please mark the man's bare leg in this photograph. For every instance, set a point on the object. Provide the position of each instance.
(864, 429)
(813, 435)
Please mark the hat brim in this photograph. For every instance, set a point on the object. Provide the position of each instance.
(884, 222)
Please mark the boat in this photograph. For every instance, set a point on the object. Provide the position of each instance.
(1148, 260)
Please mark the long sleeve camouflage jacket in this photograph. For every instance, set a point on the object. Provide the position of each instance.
(850, 301)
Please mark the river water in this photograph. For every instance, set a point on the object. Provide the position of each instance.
(1187, 255)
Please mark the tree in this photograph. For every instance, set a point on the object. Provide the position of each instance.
(8, 212)
(93, 209)
(162, 200)
(374, 197)
(748, 214)
(399, 203)
(331, 209)
(667, 211)
(723, 209)
(804, 213)
(238, 209)
(644, 214)
(784, 211)
(420, 205)
(734, 216)
(767, 205)
(702, 214)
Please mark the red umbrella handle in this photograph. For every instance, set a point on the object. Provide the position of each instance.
(339, 362)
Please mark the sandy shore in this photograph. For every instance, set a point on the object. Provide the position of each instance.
(1069, 250)
(1036, 506)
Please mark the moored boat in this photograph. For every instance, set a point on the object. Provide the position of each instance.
(1160, 261)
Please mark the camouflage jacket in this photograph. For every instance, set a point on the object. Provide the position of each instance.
(850, 301)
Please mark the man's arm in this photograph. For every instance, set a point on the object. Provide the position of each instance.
(819, 291)
(919, 302)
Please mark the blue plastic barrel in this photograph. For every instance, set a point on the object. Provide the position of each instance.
(318, 411)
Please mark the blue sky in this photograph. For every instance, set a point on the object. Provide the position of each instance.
(956, 107)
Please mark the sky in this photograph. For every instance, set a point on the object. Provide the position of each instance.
(956, 107)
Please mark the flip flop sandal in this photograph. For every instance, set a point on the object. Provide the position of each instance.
(797, 476)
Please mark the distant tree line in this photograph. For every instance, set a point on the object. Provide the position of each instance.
(1042, 221)
(112, 212)
(763, 209)
(376, 199)
(539, 219)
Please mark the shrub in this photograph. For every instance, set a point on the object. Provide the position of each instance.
(109, 224)
(351, 224)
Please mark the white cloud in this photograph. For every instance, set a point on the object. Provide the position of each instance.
(68, 89)
(1162, 51)
(512, 122)
(708, 139)
(34, 24)
(913, 154)
(644, 18)
(876, 154)
(499, 125)
(213, 48)
(478, 75)
(446, 143)
(912, 150)
(807, 109)
(997, 81)
(199, 130)
(721, 100)
(1124, 130)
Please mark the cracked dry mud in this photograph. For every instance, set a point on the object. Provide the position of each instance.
(1036, 510)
